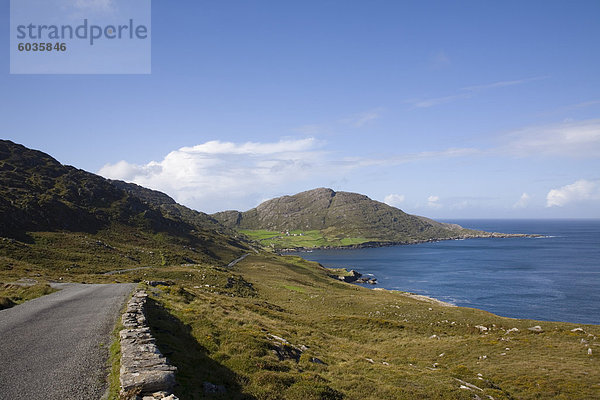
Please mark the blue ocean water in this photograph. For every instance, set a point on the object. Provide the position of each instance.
(554, 278)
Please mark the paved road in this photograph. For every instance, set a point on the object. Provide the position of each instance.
(237, 260)
(56, 346)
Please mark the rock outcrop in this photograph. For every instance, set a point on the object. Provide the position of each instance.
(355, 277)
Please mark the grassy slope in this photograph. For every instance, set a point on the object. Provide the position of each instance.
(213, 323)
(344, 324)
(301, 239)
(81, 257)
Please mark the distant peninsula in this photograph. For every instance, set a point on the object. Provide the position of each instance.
(324, 218)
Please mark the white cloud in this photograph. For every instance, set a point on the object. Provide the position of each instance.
(571, 107)
(575, 192)
(123, 170)
(361, 119)
(433, 201)
(500, 84)
(217, 175)
(523, 201)
(366, 117)
(394, 200)
(575, 139)
(447, 153)
(572, 139)
(411, 157)
(216, 147)
(426, 103)
(470, 91)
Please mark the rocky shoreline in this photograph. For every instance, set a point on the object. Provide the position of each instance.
(353, 276)
(382, 243)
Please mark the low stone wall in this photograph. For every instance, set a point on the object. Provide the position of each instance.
(145, 372)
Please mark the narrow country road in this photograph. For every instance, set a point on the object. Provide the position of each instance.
(237, 260)
(56, 346)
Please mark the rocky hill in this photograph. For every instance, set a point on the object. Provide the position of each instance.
(343, 215)
(171, 209)
(39, 194)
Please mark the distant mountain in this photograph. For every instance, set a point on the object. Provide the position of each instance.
(343, 215)
(39, 194)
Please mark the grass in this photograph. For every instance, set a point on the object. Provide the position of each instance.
(82, 257)
(216, 325)
(114, 363)
(13, 294)
(347, 327)
(194, 365)
(302, 239)
(294, 288)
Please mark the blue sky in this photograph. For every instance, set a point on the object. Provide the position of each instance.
(467, 109)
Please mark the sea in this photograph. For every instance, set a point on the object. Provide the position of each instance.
(555, 277)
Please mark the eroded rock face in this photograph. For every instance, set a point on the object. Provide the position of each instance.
(144, 370)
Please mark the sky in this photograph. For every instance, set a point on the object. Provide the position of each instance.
(466, 109)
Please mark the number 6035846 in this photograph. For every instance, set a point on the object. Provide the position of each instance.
(42, 47)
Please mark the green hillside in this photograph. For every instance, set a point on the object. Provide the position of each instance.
(60, 217)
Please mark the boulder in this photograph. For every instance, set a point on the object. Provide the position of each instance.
(148, 381)
(286, 352)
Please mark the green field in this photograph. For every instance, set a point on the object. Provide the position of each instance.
(300, 239)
